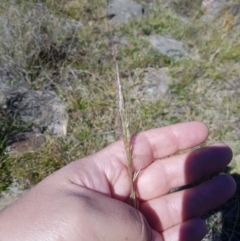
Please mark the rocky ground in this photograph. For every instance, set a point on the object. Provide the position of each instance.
(178, 60)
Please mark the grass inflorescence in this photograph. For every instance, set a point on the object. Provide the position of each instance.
(124, 128)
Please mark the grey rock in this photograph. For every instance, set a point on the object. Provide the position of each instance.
(123, 10)
(213, 8)
(38, 111)
(168, 46)
(153, 85)
(157, 83)
(42, 109)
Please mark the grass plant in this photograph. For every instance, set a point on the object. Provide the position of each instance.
(79, 63)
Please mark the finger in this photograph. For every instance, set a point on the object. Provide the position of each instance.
(191, 230)
(156, 143)
(172, 209)
(163, 175)
(108, 166)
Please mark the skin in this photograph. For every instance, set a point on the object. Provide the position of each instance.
(87, 199)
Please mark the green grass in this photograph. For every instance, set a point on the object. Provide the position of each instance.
(88, 65)
(203, 88)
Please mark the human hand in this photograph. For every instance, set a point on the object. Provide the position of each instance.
(86, 200)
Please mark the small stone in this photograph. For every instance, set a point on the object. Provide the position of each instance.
(212, 8)
(153, 85)
(168, 46)
(123, 11)
(42, 109)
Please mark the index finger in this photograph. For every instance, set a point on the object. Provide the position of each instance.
(150, 145)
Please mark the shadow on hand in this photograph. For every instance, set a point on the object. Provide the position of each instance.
(223, 222)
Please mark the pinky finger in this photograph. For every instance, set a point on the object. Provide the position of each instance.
(190, 230)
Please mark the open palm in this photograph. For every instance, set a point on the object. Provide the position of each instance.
(87, 199)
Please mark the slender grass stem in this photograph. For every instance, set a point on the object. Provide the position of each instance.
(124, 129)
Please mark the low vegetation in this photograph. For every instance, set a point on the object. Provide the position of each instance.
(78, 62)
